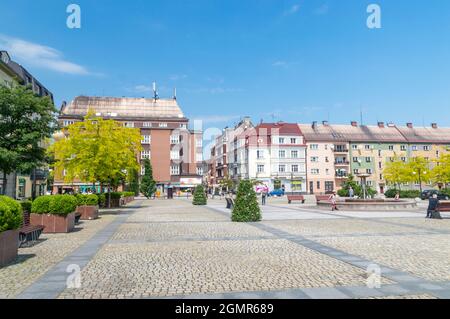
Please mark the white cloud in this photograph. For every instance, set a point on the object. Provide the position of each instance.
(292, 10)
(40, 56)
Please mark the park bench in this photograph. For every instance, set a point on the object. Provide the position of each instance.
(29, 233)
(77, 218)
(443, 206)
(292, 198)
(230, 203)
(323, 198)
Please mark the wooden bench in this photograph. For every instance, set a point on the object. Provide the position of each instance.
(230, 203)
(77, 218)
(443, 206)
(29, 233)
(292, 198)
(323, 198)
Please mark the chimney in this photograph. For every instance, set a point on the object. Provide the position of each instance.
(434, 125)
(409, 125)
(354, 123)
(381, 124)
(314, 125)
(325, 123)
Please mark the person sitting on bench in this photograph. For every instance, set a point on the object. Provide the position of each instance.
(432, 206)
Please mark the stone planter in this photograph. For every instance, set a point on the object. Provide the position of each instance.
(9, 245)
(88, 212)
(54, 223)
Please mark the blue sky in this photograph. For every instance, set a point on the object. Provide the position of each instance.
(299, 60)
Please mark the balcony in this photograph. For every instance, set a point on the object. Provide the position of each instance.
(341, 175)
(341, 163)
(340, 150)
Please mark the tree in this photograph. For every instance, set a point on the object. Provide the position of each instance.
(397, 172)
(97, 151)
(26, 120)
(440, 174)
(246, 208)
(418, 170)
(226, 183)
(148, 185)
(199, 196)
(133, 182)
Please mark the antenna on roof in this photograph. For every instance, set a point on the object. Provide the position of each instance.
(361, 115)
(175, 93)
(155, 92)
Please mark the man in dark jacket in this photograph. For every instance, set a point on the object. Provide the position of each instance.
(432, 206)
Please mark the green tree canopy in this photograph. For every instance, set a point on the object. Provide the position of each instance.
(441, 171)
(148, 184)
(397, 172)
(26, 121)
(246, 208)
(97, 150)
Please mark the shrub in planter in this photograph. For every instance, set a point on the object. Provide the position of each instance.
(56, 213)
(10, 221)
(87, 206)
(246, 208)
(199, 196)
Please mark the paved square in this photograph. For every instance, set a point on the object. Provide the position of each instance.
(161, 248)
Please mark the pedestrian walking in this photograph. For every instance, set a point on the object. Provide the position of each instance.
(432, 205)
(333, 201)
(263, 197)
(397, 196)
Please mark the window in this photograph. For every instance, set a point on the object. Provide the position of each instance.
(67, 123)
(199, 170)
(174, 155)
(146, 124)
(356, 171)
(314, 159)
(354, 147)
(414, 147)
(174, 170)
(145, 154)
(369, 183)
(282, 154)
(293, 141)
(403, 147)
(295, 168)
(142, 170)
(355, 160)
(260, 154)
(391, 147)
(174, 139)
(162, 124)
(260, 168)
(128, 124)
(184, 126)
(369, 171)
(314, 146)
(403, 159)
(427, 148)
(327, 160)
(281, 168)
(281, 140)
(294, 154)
(368, 159)
(327, 171)
(146, 139)
(315, 171)
(380, 165)
(367, 147)
(318, 185)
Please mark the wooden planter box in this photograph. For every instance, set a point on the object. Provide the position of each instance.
(54, 223)
(88, 212)
(9, 245)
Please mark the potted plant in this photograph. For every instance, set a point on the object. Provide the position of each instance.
(10, 221)
(87, 206)
(56, 213)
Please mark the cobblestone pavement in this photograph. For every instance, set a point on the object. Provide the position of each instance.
(176, 250)
(36, 260)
